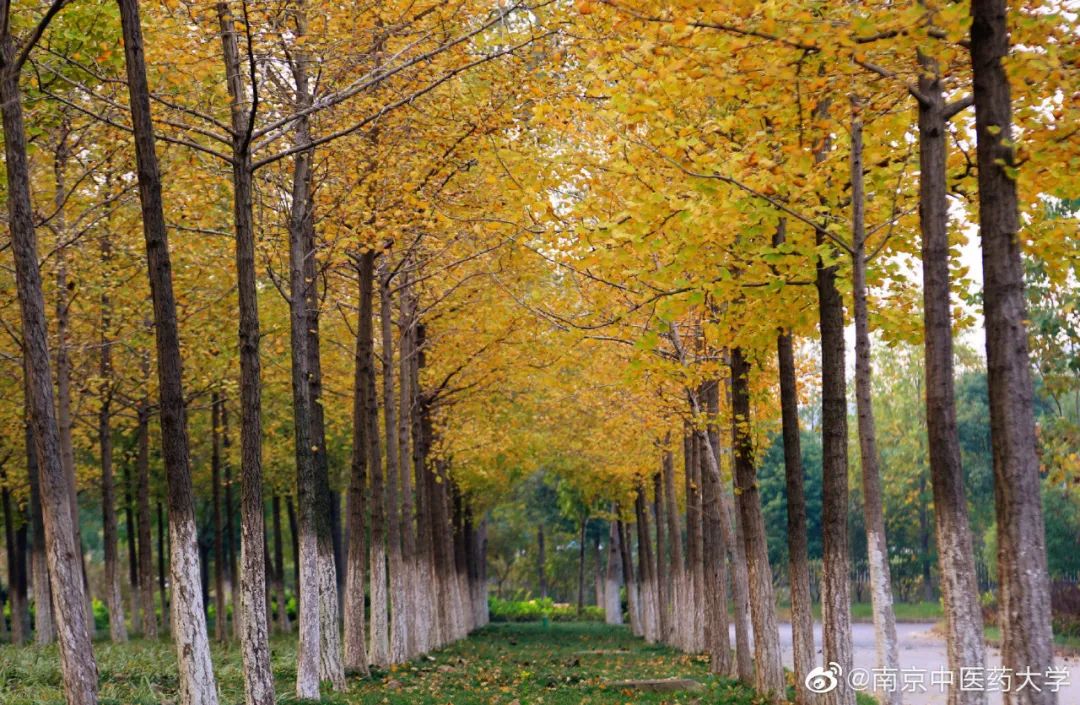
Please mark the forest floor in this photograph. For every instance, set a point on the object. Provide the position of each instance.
(505, 664)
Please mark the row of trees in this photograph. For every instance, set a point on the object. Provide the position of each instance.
(427, 251)
(412, 542)
(760, 161)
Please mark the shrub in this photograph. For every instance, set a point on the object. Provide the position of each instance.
(538, 609)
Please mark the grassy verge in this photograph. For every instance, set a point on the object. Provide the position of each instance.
(1065, 644)
(505, 664)
(863, 611)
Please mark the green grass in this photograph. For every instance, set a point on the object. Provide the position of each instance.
(1070, 644)
(503, 664)
(863, 611)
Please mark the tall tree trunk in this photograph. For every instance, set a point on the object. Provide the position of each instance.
(294, 541)
(437, 508)
(476, 549)
(232, 575)
(399, 635)
(646, 569)
(408, 532)
(731, 539)
(541, 561)
(460, 559)
(62, 547)
(65, 419)
(162, 542)
(379, 652)
(1023, 583)
(221, 631)
(309, 654)
(612, 601)
(197, 684)
(633, 594)
(132, 550)
(581, 566)
(332, 667)
(144, 520)
(714, 551)
(835, 590)
(677, 572)
(279, 567)
(355, 639)
(113, 598)
(428, 631)
(663, 564)
(249, 616)
(769, 673)
(44, 621)
(802, 619)
(888, 649)
(598, 573)
(458, 628)
(695, 537)
(956, 556)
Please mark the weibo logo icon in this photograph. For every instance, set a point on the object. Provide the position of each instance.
(823, 680)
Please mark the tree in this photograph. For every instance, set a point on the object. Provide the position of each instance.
(65, 575)
(1022, 576)
(197, 685)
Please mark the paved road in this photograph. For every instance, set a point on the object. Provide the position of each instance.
(922, 649)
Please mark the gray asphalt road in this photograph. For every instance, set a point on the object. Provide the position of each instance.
(922, 652)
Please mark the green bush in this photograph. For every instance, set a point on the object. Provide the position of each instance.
(538, 609)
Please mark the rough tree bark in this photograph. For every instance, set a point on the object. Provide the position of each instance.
(1024, 590)
(398, 628)
(221, 631)
(309, 655)
(612, 602)
(162, 544)
(412, 594)
(331, 666)
(956, 556)
(464, 603)
(768, 671)
(581, 566)
(802, 618)
(379, 652)
(646, 569)
(44, 622)
(113, 598)
(633, 593)
(232, 547)
(695, 537)
(250, 621)
(679, 610)
(62, 550)
(197, 685)
(731, 539)
(355, 638)
(430, 633)
(888, 649)
(279, 566)
(144, 520)
(835, 591)
(714, 551)
(132, 550)
(662, 571)
(64, 418)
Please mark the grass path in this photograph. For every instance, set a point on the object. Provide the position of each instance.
(506, 664)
